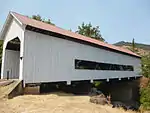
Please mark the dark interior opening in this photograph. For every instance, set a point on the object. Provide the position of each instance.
(91, 65)
(14, 44)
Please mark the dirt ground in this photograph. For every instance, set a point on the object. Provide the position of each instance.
(54, 103)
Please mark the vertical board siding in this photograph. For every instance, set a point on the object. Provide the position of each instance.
(51, 59)
(12, 64)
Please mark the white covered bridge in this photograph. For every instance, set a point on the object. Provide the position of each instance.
(36, 52)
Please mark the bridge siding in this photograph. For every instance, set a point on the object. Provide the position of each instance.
(51, 59)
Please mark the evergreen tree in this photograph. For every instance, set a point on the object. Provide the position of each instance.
(133, 45)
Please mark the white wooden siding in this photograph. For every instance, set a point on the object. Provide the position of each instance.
(14, 30)
(11, 64)
(51, 59)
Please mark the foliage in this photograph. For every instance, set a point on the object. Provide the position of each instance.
(97, 83)
(146, 65)
(90, 31)
(145, 91)
(145, 97)
(39, 18)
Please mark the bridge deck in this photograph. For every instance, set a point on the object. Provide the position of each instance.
(9, 87)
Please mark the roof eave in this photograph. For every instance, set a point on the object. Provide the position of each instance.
(7, 23)
(12, 13)
(5, 26)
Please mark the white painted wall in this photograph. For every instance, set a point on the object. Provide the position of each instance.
(51, 59)
(11, 64)
(14, 30)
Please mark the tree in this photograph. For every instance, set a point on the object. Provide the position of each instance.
(90, 31)
(39, 18)
(36, 17)
(133, 45)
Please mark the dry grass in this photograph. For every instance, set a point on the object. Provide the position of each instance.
(54, 103)
(144, 82)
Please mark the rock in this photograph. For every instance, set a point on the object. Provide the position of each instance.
(129, 107)
(99, 99)
(94, 92)
(118, 104)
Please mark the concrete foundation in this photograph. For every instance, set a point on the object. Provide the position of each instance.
(32, 89)
(124, 91)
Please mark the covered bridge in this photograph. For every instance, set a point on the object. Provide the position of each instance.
(36, 52)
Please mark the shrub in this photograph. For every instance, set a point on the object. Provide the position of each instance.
(145, 97)
(145, 62)
(97, 83)
(145, 87)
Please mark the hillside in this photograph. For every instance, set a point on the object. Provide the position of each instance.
(138, 45)
(140, 49)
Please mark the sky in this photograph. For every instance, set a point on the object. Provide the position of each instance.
(119, 20)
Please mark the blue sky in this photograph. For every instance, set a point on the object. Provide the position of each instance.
(118, 19)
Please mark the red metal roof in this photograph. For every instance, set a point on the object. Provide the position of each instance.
(41, 25)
